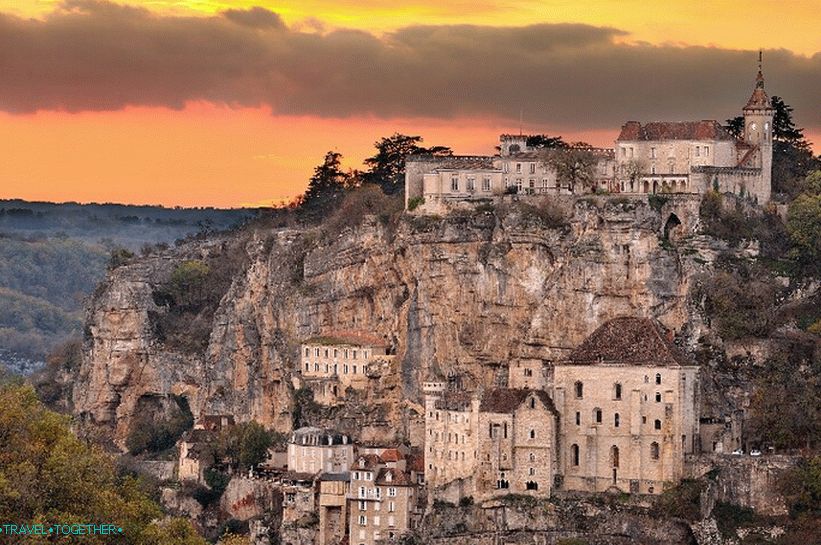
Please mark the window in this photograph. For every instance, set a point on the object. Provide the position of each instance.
(528, 372)
(654, 450)
(644, 420)
(363, 520)
(307, 352)
(471, 184)
(532, 457)
(454, 183)
(658, 397)
(363, 505)
(354, 354)
(486, 183)
(533, 168)
(579, 387)
(391, 492)
(578, 418)
(614, 456)
(307, 367)
(518, 168)
(532, 402)
(653, 169)
(658, 378)
(657, 424)
(652, 153)
(617, 391)
(597, 416)
(698, 151)
(531, 471)
(706, 151)
(336, 353)
(391, 507)
(574, 454)
(533, 434)
(646, 379)
(616, 420)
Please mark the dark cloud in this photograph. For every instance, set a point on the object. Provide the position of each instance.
(94, 55)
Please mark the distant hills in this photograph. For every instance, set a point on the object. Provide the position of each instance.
(53, 255)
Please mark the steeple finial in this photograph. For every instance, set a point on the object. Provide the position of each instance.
(759, 79)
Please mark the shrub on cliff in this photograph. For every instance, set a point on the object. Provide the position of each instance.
(150, 434)
(682, 501)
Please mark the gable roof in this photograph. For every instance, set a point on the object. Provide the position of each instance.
(371, 461)
(397, 477)
(507, 400)
(674, 130)
(629, 341)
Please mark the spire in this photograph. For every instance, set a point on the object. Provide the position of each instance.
(759, 80)
(759, 98)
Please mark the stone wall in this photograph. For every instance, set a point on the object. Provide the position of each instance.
(746, 481)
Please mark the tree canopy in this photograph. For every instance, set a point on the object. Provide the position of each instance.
(575, 165)
(49, 476)
(387, 165)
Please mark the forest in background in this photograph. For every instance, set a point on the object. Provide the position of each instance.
(53, 255)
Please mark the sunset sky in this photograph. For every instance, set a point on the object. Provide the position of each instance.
(201, 102)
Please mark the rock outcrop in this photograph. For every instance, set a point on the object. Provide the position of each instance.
(464, 294)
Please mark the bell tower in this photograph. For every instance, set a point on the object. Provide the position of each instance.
(758, 133)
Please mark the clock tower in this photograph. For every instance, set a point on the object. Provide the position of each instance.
(758, 132)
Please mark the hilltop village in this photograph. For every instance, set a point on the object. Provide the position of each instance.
(454, 360)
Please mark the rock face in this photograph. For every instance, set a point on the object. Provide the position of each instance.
(466, 294)
(526, 521)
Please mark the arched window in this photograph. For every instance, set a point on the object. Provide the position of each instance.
(531, 485)
(532, 402)
(532, 457)
(617, 391)
(658, 378)
(616, 420)
(646, 379)
(657, 424)
(533, 434)
(658, 397)
(597, 415)
(574, 454)
(654, 450)
(614, 456)
(579, 387)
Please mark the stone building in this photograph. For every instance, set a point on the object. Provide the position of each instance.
(333, 507)
(314, 450)
(628, 399)
(688, 157)
(384, 498)
(330, 364)
(500, 442)
(194, 454)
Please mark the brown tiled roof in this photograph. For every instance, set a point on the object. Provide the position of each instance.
(628, 341)
(398, 477)
(759, 98)
(507, 400)
(674, 130)
(354, 338)
(372, 461)
(391, 455)
(454, 401)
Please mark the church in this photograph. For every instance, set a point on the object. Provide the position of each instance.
(685, 157)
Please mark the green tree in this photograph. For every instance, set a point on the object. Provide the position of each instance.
(328, 180)
(254, 445)
(574, 165)
(793, 159)
(188, 283)
(543, 141)
(804, 227)
(735, 126)
(801, 487)
(387, 166)
(48, 475)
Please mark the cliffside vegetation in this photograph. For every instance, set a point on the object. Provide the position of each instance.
(49, 476)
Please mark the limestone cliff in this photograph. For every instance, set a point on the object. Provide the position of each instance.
(468, 293)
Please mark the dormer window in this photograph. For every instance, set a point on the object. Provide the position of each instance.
(388, 477)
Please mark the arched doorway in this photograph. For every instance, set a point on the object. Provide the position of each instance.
(672, 226)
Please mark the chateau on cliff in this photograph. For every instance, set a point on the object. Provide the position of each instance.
(685, 157)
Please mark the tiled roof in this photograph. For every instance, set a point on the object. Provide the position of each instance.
(391, 455)
(353, 338)
(674, 130)
(372, 461)
(398, 477)
(628, 341)
(507, 400)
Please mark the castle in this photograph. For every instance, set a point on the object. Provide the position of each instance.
(686, 157)
(619, 413)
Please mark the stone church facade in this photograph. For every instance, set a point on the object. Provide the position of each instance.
(686, 157)
(620, 413)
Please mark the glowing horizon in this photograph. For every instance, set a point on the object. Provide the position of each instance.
(236, 108)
